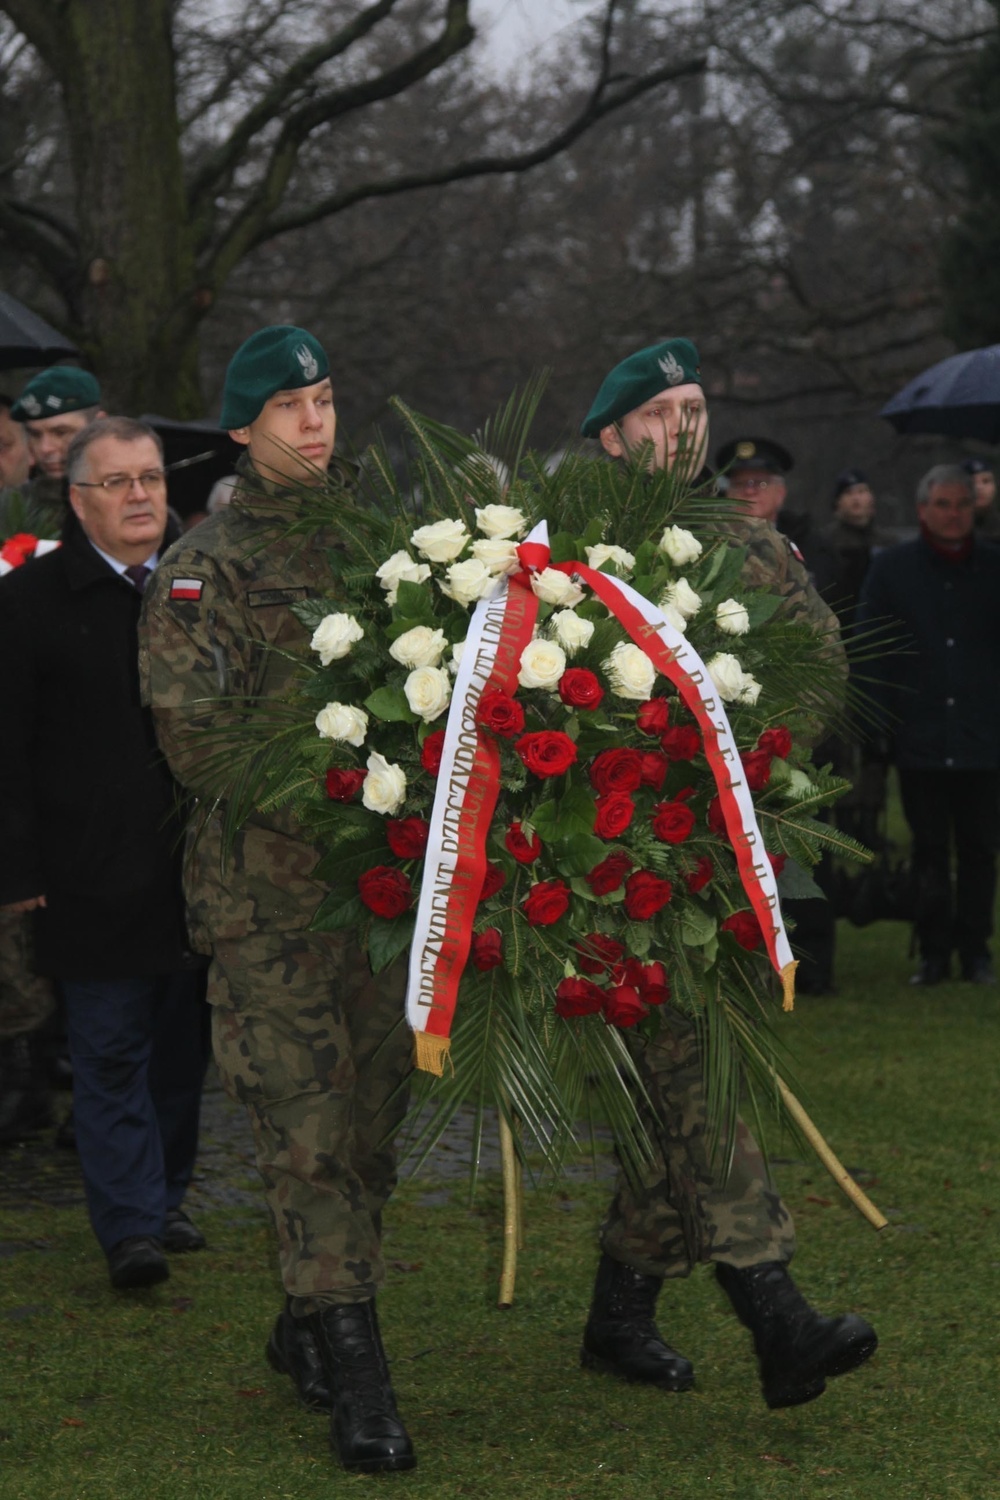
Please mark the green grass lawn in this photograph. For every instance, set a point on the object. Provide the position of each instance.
(166, 1394)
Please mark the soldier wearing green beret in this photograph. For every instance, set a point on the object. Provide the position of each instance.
(314, 1045)
(53, 407)
(684, 1211)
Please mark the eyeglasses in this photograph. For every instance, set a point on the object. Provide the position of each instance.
(118, 485)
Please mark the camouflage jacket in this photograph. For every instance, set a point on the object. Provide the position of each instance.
(217, 638)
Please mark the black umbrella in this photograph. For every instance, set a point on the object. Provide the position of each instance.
(959, 397)
(196, 455)
(27, 340)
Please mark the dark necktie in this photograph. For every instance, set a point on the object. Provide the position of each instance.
(138, 573)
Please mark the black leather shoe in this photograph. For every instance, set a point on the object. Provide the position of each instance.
(137, 1261)
(979, 971)
(292, 1351)
(179, 1234)
(797, 1348)
(366, 1431)
(621, 1337)
(932, 971)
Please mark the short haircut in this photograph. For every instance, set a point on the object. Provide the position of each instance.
(124, 429)
(942, 474)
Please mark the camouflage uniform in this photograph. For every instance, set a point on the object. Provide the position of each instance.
(26, 999)
(297, 1016)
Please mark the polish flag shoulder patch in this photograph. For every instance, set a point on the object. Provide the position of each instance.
(186, 588)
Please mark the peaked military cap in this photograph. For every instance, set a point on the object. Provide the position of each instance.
(279, 358)
(755, 453)
(642, 375)
(847, 479)
(59, 389)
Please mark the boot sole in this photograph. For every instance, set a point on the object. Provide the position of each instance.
(141, 1276)
(397, 1464)
(812, 1382)
(594, 1362)
(280, 1367)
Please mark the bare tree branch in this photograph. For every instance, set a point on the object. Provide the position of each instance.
(24, 232)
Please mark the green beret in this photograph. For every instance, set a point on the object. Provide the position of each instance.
(59, 389)
(642, 375)
(280, 358)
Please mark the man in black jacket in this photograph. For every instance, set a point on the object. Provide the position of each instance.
(90, 838)
(941, 694)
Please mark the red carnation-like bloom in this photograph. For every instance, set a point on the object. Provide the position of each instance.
(579, 688)
(546, 902)
(700, 875)
(645, 895)
(776, 742)
(430, 752)
(614, 814)
(622, 1007)
(385, 891)
(609, 874)
(18, 548)
(493, 880)
(682, 742)
(672, 822)
(578, 997)
(344, 786)
(486, 949)
(653, 716)
(407, 837)
(745, 929)
(547, 752)
(501, 713)
(598, 952)
(616, 771)
(654, 768)
(524, 850)
(716, 821)
(757, 767)
(777, 862)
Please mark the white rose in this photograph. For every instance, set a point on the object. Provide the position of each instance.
(683, 597)
(572, 631)
(496, 554)
(501, 521)
(799, 786)
(680, 546)
(630, 672)
(441, 542)
(468, 581)
(428, 691)
(728, 676)
(673, 615)
(456, 658)
(731, 616)
(400, 568)
(334, 636)
(341, 721)
(542, 664)
(419, 647)
(750, 691)
(604, 552)
(553, 587)
(384, 788)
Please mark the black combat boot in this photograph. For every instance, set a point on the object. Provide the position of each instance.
(366, 1431)
(292, 1351)
(797, 1348)
(621, 1336)
(24, 1093)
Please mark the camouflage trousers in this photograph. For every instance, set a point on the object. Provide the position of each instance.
(26, 999)
(681, 1211)
(319, 1052)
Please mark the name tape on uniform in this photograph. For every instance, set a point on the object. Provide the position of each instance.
(186, 588)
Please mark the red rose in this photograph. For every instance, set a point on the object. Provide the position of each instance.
(486, 950)
(672, 822)
(654, 768)
(614, 814)
(546, 902)
(578, 997)
(18, 548)
(407, 837)
(776, 742)
(616, 771)
(651, 982)
(597, 952)
(548, 752)
(700, 875)
(716, 821)
(683, 742)
(609, 874)
(493, 880)
(745, 929)
(385, 891)
(645, 894)
(622, 1006)
(757, 766)
(344, 786)
(579, 688)
(501, 713)
(777, 862)
(653, 716)
(525, 851)
(430, 752)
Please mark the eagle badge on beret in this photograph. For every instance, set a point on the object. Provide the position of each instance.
(308, 361)
(746, 450)
(32, 405)
(672, 369)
